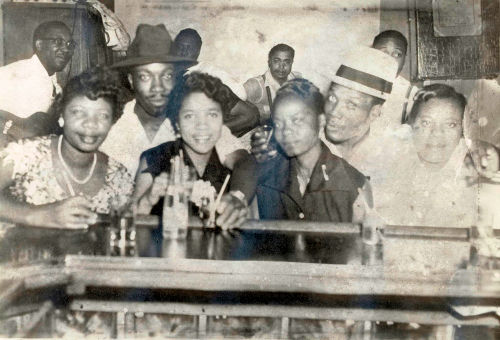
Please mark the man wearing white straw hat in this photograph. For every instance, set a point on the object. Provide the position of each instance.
(359, 87)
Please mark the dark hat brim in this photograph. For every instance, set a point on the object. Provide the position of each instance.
(143, 60)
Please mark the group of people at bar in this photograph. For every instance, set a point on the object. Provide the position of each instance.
(371, 146)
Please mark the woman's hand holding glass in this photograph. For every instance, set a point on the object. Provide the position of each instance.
(72, 213)
(486, 160)
(232, 211)
(158, 188)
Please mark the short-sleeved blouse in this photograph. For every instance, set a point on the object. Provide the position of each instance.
(35, 181)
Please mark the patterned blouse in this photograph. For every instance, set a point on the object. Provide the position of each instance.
(35, 181)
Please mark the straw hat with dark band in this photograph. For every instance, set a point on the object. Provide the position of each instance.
(367, 70)
(152, 44)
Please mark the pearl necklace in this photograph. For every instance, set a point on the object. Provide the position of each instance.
(68, 170)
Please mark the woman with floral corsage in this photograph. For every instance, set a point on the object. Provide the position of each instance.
(196, 105)
(63, 181)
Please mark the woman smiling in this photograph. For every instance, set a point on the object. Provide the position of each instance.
(63, 181)
(197, 105)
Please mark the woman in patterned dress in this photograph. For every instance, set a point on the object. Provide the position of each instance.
(62, 181)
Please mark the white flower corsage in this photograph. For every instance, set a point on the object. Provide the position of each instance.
(202, 190)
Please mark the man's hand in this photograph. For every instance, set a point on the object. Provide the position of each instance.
(260, 146)
(486, 160)
(232, 212)
(371, 221)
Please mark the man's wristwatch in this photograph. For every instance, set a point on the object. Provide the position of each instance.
(7, 126)
(239, 195)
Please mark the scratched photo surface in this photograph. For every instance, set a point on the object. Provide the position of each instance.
(314, 169)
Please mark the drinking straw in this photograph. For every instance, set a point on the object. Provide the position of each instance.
(217, 200)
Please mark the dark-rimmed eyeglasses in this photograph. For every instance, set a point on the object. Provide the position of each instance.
(60, 42)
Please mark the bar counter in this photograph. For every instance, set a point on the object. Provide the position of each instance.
(276, 270)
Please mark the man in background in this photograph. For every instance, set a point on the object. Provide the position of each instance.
(29, 86)
(244, 116)
(398, 104)
(187, 44)
(262, 89)
(152, 70)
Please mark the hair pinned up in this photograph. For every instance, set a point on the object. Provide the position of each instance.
(438, 91)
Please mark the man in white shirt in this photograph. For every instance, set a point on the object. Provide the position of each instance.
(398, 104)
(29, 86)
(261, 90)
(152, 71)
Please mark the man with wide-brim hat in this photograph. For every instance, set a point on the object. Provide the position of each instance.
(152, 69)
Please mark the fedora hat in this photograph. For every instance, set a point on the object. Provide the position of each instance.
(367, 70)
(152, 44)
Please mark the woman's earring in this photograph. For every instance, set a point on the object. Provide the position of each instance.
(60, 121)
(177, 132)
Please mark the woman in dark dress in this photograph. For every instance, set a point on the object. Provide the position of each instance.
(197, 105)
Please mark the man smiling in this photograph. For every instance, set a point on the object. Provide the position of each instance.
(152, 71)
(30, 85)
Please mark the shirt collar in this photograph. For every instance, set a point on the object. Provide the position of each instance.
(129, 118)
(327, 170)
(39, 66)
(270, 81)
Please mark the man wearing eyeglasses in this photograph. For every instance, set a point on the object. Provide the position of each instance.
(28, 86)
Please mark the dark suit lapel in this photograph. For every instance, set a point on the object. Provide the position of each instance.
(282, 177)
(292, 185)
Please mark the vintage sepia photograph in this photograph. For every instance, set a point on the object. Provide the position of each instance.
(250, 169)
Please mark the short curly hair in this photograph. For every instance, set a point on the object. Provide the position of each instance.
(281, 48)
(212, 87)
(439, 91)
(302, 89)
(96, 82)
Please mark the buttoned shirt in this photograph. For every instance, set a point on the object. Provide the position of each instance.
(257, 94)
(127, 139)
(26, 87)
(330, 195)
